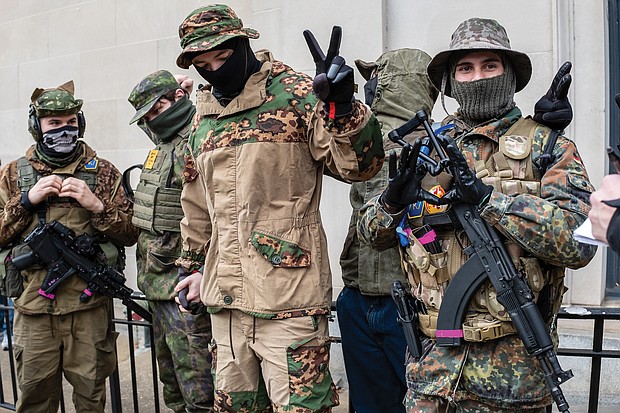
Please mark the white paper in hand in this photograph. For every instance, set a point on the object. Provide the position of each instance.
(584, 235)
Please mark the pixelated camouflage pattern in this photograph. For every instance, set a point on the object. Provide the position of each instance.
(183, 357)
(57, 101)
(148, 91)
(208, 27)
(478, 33)
(278, 252)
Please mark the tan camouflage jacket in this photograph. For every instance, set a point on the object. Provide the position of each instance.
(252, 202)
(16, 223)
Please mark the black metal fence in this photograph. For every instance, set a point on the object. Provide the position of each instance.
(118, 392)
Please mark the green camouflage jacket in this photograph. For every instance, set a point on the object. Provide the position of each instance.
(252, 201)
(16, 223)
(403, 88)
(500, 372)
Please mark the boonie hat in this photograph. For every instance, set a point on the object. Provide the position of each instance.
(208, 27)
(57, 101)
(146, 93)
(479, 34)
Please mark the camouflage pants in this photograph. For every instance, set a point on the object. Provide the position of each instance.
(79, 344)
(271, 365)
(428, 404)
(183, 357)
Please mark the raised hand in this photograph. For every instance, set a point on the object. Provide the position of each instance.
(554, 109)
(466, 187)
(405, 179)
(334, 83)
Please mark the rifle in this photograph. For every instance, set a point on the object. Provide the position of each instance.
(489, 259)
(408, 308)
(63, 254)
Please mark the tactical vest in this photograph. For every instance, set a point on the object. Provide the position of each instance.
(510, 171)
(27, 177)
(157, 206)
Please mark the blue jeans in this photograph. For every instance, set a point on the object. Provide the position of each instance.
(373, 344)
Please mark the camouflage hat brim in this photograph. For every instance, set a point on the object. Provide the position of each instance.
(143, 110)
(521, 64)
(208, 42)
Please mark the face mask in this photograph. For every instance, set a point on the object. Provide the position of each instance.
(166, 125)
(370, 89)
(61, 140)
(230, 78)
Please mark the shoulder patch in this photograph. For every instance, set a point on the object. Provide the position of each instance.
(92, 165)
(515, 146)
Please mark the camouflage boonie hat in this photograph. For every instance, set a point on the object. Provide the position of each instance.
(57, 101)
(479, 34)
(146, 93)
(208, 27)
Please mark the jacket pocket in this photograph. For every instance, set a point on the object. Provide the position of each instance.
(278, 252)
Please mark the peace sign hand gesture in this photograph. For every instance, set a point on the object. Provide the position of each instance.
(333, 83)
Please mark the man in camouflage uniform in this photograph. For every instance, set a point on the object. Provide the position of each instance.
(259, 145)
(165, 112)
(373, 343)
(535, 210)
(61, 178)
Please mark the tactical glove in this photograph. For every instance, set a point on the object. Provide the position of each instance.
(334, 83)
(467, 187)
(405, 179)
(553, 109)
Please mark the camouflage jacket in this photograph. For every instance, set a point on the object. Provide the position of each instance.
(403, 88)
(16, 223)
(252, 201)
(156, 253)
(542, 226)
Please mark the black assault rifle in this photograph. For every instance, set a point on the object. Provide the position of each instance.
(63, 254)
(488, 259)
(408, 308)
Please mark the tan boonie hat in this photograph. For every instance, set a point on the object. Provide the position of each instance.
(58, 101)
(479, 34)
(208, 27)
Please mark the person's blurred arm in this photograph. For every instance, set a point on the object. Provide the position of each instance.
(605, 218)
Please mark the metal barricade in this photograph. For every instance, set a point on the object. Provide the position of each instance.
(117, 385)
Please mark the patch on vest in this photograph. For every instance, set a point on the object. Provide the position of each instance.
(150, 160)
(92, 165)
(515, 147)
(438, 191)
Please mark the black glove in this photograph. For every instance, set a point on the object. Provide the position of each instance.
(405, 179)
(553, 109)
(334, 83)
(467, 187)
(192, 306)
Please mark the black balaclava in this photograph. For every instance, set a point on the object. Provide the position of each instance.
(166, 125)
(228, 81)
(484, 99)
(370, 90)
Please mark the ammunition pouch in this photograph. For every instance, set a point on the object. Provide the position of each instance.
(11, 279)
